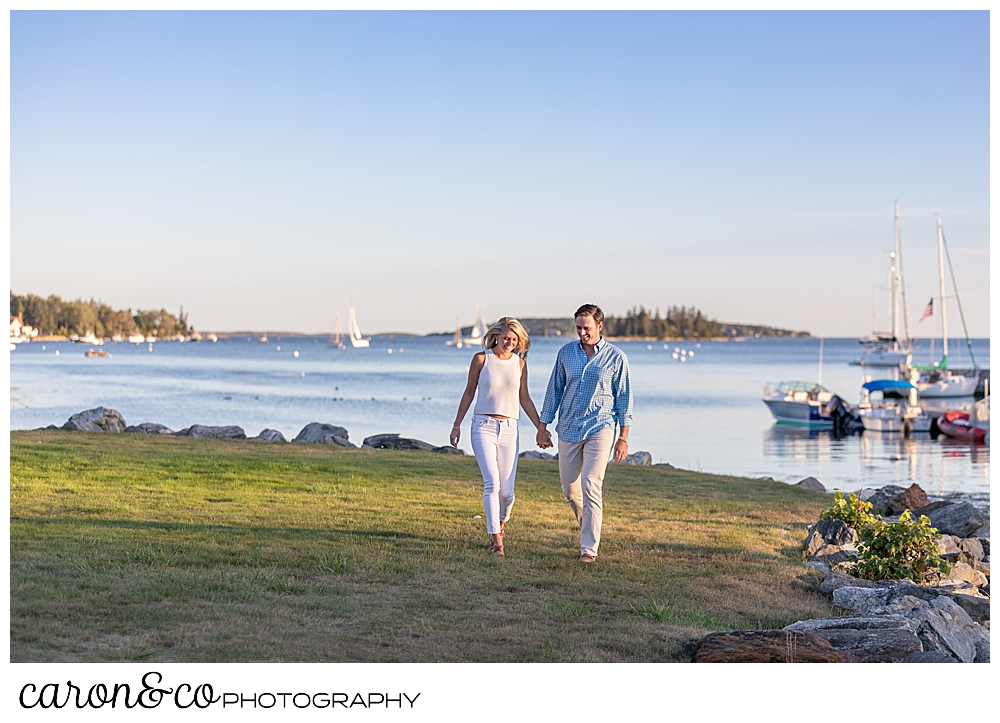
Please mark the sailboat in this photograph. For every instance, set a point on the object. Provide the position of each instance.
(357, 341)
(336, 334)
(456, 340)
(479, 330)
(936, 380)
(890, 349)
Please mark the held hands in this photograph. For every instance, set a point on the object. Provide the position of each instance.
(621, 450)
(544, 438)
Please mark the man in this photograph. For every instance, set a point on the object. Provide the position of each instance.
(590, 388)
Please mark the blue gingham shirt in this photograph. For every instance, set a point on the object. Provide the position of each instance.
(590, 395)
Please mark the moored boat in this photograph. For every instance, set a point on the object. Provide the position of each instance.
(886, 416)
(804, 403)
(957, 426)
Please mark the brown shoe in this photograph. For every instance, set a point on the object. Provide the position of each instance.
(587, 557)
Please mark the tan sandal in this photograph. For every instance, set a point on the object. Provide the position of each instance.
(496, 549)
(587, 557)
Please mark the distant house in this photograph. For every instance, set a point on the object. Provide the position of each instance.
(19, 331)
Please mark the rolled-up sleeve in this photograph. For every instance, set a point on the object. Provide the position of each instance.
(623, 395)
(554, 391)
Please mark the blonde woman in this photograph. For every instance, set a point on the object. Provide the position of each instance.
(500, 375)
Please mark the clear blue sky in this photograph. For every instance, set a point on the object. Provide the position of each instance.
(264, 168)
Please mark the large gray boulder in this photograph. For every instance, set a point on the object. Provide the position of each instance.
(533, 454)
(912, 498)
(202, 431)
(394, 441)
(961, 519)
(317, 432)
(98, 419)
(149, 428)
(640, 459)
(977, 606)
(873, 639)
(270, 435)
(973, 547)
(966, 572)
(882, 497)
(811, 483)
(829, 532)
(941, 624)
(448, 449)
(862, 600)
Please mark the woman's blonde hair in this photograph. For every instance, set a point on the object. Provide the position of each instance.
(508, 322)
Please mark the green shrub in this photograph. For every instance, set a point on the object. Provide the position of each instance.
(898, 550)
(853, 511)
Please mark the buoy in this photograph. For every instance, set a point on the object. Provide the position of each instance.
(303, 373)
(295, 354)
(389, 350)
(57, 352)
(278, 348)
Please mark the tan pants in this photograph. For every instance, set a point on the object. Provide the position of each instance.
(581, 471)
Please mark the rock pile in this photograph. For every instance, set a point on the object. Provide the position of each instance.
(887, 621)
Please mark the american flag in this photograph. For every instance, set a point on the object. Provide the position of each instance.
(928, 310)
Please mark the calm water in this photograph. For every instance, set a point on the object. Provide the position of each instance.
(704, 414)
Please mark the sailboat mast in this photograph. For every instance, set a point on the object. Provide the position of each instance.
(944, 317)
(895, 280)
(336, 338)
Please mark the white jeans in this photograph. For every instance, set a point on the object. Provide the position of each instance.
(495, 443)
(581, 471)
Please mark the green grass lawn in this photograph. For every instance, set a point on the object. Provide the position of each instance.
(142, 548)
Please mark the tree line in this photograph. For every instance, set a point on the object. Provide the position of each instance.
(53, 315)
(679, 321)
(684, 322)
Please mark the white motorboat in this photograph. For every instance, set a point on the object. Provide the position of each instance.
(890, 349)
(357, 341)
(890, 416)
(135, 339)
(936, 380)
(805, 403)
(89, 338)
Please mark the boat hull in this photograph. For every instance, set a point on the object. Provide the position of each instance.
(874, 423)
(802, 413)
(948, 388)
(956, 425)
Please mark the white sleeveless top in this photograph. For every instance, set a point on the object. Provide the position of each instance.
(499, 387)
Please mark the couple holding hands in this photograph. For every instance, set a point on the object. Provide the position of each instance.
(589, 388)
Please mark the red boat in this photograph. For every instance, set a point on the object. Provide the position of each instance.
(956, 424)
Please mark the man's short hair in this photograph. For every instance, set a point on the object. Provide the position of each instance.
(591, 310)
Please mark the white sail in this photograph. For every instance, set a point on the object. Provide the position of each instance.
(479, 329)
(357, 340)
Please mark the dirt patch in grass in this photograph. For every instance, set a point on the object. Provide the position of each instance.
(135, 548)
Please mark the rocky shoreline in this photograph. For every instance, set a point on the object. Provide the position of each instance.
(101, 419)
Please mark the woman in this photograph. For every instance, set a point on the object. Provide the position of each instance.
(501, 376)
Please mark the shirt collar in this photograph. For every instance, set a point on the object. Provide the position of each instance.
(601, 343)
